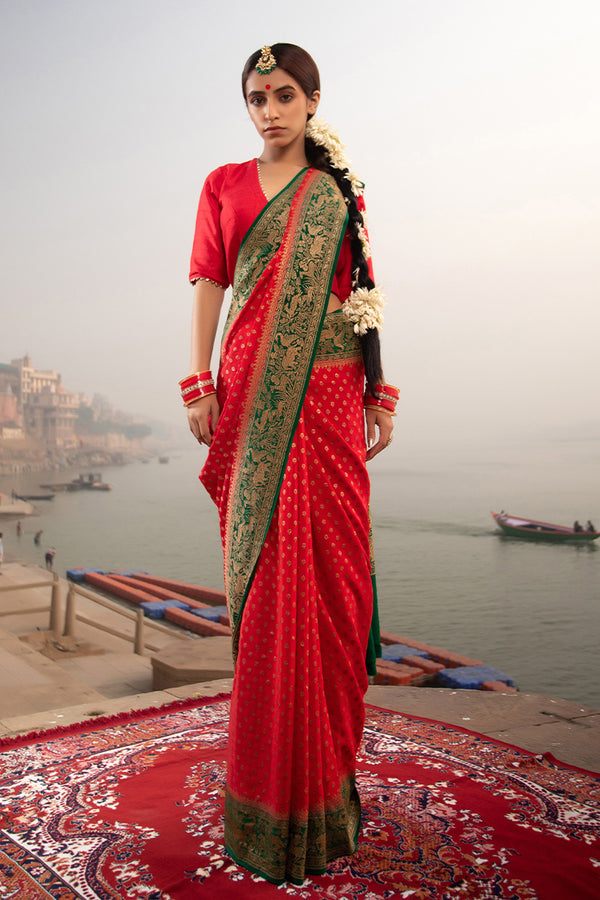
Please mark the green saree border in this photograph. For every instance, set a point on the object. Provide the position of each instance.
(308, 373)
(273, 200)
(286, 848)
(298, 236)
(250, 265)
(374, 643)
(293, 431)
(338, 343)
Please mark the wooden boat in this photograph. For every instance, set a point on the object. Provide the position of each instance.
(35, 497)
(530, 529)
(90, 482)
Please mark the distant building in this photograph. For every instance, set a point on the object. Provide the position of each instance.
(11, 420)
(9, 405)
(48, 411)
(35, 404)
(50, 417)
(33, 381)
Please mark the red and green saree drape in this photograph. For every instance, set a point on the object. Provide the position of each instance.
(287, 471)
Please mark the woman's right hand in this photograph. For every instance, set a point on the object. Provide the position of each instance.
(203, 416)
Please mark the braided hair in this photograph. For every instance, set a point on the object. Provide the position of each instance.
(302, 67)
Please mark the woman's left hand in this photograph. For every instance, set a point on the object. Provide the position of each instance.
(380, 427)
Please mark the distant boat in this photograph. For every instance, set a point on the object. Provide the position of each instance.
(530, 529)
(163, 459)
(90, 482)
(94, 483)
(34, 497)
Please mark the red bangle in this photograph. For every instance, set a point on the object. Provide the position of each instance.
(200, 384)
(379, 404)
(384, 396)
(195, 378)
(198, 394)
(387, 392)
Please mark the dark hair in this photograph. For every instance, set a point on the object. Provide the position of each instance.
(302, 67)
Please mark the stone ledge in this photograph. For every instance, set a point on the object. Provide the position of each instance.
(87, 712)
(192, 663)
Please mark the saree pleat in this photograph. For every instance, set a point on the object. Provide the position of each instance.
(297, 566)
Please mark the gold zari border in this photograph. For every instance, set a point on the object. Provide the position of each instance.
(337, 342)
(287, 849)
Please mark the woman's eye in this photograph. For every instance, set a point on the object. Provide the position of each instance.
(286, 97)
(257, 101)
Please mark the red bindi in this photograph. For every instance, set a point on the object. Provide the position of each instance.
(268, 87)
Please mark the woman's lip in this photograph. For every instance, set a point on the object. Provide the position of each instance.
(273, 128)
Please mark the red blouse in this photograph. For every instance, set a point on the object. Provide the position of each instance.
(231, 199)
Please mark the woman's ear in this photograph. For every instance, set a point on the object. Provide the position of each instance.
(313, 102)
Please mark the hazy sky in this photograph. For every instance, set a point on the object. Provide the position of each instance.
(474, 123)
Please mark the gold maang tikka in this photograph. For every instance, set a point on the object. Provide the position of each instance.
(267, 61)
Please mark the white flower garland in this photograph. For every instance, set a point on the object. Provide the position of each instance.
(366, 247)
(364, 308)
(325, 136)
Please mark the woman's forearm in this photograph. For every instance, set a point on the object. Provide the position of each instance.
(208, 299)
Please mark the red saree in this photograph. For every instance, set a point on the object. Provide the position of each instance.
(287, 471)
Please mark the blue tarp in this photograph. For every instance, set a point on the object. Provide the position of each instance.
(471, 677)
(79, 574)
(155, 609)
(397, 652)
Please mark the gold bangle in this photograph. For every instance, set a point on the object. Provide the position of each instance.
(381, 409)
(189, 402)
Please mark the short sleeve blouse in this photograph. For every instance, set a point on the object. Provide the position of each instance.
(231, 199)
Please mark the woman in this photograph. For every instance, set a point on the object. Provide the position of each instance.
(286, 467)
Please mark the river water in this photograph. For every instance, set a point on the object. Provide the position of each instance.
(445, 573)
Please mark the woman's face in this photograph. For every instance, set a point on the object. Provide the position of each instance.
(278, 107)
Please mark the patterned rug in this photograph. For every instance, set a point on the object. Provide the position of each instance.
(133, 809)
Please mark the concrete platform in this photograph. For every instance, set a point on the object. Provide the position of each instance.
(535, 722)
(107, 678)
(43, 671)
(87, 712)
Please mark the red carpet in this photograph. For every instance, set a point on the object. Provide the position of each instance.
(133, 809)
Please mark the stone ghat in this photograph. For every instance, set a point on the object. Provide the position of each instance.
(203, 611)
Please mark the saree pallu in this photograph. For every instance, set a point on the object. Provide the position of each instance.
(287, 471)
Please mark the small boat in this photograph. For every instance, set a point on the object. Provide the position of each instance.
(95, 483)
(163, 459)
(90, 482)
(530, 529)
(35, 497)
